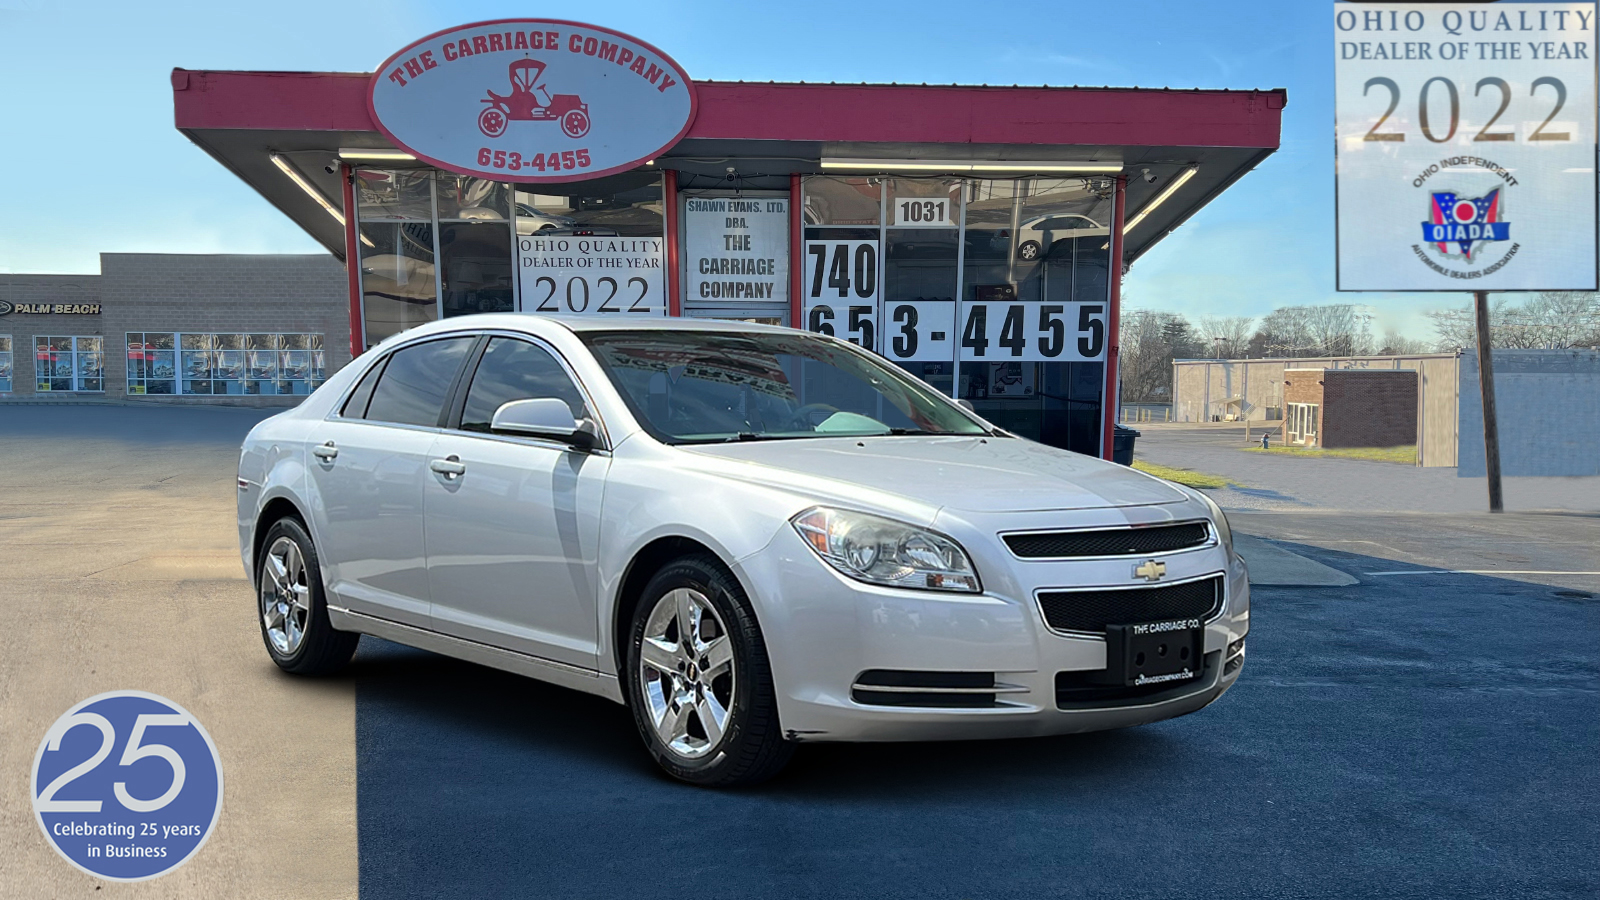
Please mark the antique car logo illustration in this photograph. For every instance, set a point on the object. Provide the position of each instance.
(1464, 222)
(531, 101)
(1150, 570)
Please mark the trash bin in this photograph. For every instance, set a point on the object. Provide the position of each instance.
(1122, 445)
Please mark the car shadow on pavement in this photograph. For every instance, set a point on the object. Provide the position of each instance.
(1388, 737)
(567, 727)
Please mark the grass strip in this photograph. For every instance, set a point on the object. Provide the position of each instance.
(1406, 455)
(1184, 477)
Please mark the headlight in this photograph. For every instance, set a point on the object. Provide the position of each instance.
(1224, 531)
(882, 551)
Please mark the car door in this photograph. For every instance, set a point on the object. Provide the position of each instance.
(368, 467)
(513, 525)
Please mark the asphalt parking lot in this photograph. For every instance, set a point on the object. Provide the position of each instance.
(1422, 734)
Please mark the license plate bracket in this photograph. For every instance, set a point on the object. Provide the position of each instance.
(1152, 653)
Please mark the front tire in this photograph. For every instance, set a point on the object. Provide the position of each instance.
(698, 679)
(291, 607)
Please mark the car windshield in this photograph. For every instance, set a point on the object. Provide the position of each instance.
(700, 387)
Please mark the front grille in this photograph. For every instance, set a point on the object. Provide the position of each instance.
(1108, 541)
(1092, 610)
(939, 690)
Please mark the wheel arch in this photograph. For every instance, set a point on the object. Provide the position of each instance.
(279, 507)
(642, 566)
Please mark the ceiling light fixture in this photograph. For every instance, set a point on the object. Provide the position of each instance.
(1160, 198)
(960, 166)
(375, 154)
(300, 181)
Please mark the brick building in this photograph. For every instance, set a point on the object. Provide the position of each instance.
(1350, 407)
(239, 329)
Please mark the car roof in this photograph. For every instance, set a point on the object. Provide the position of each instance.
(531, 323)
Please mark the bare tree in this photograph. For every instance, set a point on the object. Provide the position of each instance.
(1227, 336)
(1396, 344)
(1283, 332)
(1151, 339)
(1338, 329)
(1549, 320)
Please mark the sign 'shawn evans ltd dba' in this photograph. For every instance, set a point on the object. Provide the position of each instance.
(532, 100)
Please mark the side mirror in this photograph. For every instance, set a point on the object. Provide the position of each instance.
(543, 418)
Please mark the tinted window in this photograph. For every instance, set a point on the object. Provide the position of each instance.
(516, 370)
(687, 387)
(356, 406)
(412, 389)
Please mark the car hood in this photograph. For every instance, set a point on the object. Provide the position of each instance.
(963, 473)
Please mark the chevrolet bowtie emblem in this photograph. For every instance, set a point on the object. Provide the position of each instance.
(1150, 570)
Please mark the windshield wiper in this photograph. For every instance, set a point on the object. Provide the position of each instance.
(753, 436)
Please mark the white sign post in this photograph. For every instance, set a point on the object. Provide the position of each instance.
(737, 250)
(1465, 156)
(1466, 146)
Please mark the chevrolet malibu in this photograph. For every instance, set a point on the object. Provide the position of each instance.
(750, 536)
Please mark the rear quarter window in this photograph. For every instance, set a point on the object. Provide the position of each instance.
(411, 389)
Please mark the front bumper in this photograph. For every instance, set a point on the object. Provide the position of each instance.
(824, 630)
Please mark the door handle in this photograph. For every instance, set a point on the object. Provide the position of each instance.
(326, 452)
(450, 467)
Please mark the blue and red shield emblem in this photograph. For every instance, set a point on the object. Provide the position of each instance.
(1463, 221)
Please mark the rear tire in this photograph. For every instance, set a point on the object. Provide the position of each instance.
(291, 607)
(702, 693)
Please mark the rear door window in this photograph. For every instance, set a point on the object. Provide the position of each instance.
(416, 380)
(356, 406)
(510, 370)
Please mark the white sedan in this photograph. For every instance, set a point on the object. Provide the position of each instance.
(751, 536)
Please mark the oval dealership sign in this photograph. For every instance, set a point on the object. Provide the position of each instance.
(532, 100)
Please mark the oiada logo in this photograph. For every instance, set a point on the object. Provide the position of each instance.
(532, 100)
(1461, 227)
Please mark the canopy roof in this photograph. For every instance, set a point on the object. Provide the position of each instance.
(769, 130)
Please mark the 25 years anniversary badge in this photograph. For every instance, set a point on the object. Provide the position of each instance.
(127, 786)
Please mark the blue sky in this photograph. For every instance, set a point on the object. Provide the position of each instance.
(93, 163)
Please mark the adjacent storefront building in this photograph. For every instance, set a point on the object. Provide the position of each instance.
(239, 329)
(973, 234)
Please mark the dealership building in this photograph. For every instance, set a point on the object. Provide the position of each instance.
(972, 234)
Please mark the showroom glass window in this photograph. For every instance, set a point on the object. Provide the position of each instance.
(840, 258)
(475, 270)
(5, 364)
(64, 363)
(395, 222)
(922, 248)
(227, 364)
(1037, 239)
(620, 206)
(152, 363)
(414, 382)
(513, 369)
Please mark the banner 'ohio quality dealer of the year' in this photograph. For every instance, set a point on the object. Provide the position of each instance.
(1465, 146)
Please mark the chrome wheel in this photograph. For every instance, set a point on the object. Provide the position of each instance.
(285, 596)
(686, 673)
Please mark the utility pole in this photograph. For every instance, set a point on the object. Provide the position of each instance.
(1491, 427)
